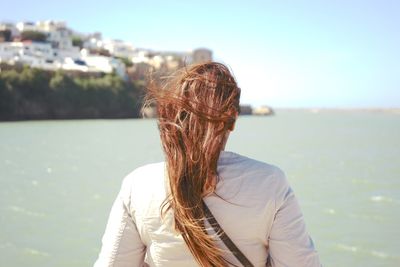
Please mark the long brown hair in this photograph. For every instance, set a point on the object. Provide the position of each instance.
(196, 108)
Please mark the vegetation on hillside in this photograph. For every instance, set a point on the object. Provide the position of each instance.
(30, 93)
(77, 41)
(33, 36)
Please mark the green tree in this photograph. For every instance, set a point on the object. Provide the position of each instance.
(77, 41)
(5, 36)
(126, 61)
(33, 36)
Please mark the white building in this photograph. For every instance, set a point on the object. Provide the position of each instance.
(73, 52)
(26, 26)
(140, 56)
(60, 38)
(74, 64)
(57, 33)
(103, 63)
(9, 51)
(35, 54)
(50, 25)
(119, 48)
(92, 41)
(59, 52)
(175, 60)
(201, 55)
(158, 60)
(44, 56)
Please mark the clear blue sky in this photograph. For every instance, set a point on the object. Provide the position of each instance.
(283, 53)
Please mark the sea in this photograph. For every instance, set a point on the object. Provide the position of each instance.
(58, 180)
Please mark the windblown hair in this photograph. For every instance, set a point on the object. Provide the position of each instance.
(196, 108)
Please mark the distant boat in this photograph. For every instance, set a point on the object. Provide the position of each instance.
(263, 110)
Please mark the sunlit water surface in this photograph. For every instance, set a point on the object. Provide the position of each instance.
(58, 180)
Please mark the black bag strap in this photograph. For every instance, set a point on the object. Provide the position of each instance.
(225, 238)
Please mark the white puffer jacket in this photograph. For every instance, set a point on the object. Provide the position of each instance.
(256, 208)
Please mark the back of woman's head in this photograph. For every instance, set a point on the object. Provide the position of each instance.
(196, 109)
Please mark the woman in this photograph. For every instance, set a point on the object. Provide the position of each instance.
(159, 218)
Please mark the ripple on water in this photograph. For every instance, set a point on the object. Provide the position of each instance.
(24, 211)
(360, 181)
(367, 217)
(379, 254)
(355, 249)
(347, 247)
(7, 245)
(329, 211)
(381, 199)
(36, 252)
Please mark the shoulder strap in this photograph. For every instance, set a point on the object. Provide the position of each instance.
(225, 238)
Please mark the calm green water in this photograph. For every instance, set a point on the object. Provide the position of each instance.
(58, 180)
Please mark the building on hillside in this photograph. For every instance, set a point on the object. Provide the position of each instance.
(57, 34)
(119, 48)
(158, 61)
(175, 60)
(201, 55)
(26, 26)
(139, 71)
(140, 56)
(73, 52)
(103, 63)
(75, 65)
(50, 25)
(96, 35)
(60, 37)
(92, 41)
(55, 50)
(35, 54)
(9, 52)
(10, 27)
